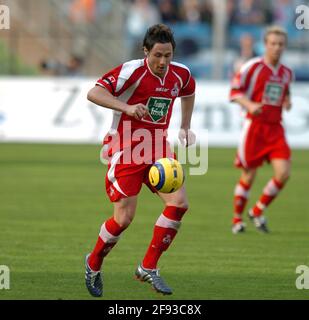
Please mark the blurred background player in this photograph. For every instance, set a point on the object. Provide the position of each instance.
(246, 51)
(73, 68)
(262, 88)
(141, 93)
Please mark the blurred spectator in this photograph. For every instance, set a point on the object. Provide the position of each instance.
(248, 12)
(230, 11)
(284, 12)
(141, 15)
(73, 68)
(207, 11)
(83, 11)
(230, 8)
(246, 51)
(104, 8)
(169, 11)
(267, 9)
(187, 47)
(190, 11)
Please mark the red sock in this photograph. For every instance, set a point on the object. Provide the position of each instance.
(241, 195)
(108, 237)
(165, 231)
(270, 192)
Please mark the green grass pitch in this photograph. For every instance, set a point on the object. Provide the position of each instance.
(52, 203)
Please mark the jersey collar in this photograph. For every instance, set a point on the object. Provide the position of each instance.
(274, 69)
(162, 81)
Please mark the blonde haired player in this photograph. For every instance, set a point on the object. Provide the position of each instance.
(262, 89)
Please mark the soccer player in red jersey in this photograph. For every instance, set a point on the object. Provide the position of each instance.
(262, 88)
(141, 94)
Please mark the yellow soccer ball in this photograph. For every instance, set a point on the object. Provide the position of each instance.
(166, 175)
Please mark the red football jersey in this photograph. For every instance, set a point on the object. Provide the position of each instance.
(133, 82)
(261, 82)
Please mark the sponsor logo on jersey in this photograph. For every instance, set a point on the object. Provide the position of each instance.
(158, 109)
(111, 79)
(273, 93)
(275, 78)
(175, 90)
(161, 89)
(285, 78)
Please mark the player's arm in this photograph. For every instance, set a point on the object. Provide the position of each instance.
(238, 94)
(102, 97)
(287, 103)
(240, 85)
(186, 136)
(251, 106)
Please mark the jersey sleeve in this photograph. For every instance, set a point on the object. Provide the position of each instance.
(109, 81)
(122, 77)
(291, 80)
(189, 87)
(241, 81)
(239, 86)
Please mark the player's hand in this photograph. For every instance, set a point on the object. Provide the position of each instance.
(255, 108)
(287, 104)
(137, 111)
(186, 137)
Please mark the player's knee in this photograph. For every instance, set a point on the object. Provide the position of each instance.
(248, 178)
(124, 221)
(124, 217)
(284, 176)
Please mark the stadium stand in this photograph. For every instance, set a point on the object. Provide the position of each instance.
(105, 32)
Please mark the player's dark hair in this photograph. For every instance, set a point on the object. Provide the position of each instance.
(159, 33)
